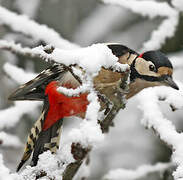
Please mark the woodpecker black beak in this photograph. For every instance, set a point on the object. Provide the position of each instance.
(169, 81)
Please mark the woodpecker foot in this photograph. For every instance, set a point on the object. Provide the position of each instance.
(78, 151)
(41, 174)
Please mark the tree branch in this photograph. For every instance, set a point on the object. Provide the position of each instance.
(21, 23)
(154, 119)
(51, 55)
(78, 151)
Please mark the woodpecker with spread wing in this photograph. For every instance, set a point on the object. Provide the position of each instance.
(149, 69)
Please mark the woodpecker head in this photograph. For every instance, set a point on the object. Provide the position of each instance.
(149, 69)
(153, 67)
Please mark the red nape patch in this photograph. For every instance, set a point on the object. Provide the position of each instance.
(61, 106)
(141, 55)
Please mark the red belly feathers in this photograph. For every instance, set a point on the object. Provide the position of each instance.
(61, 106)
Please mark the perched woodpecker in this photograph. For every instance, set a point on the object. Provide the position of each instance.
(151, 68)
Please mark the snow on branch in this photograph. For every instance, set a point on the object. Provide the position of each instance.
(140, 172)
(89, 134)
(90, 58)
(153, 9)
(176, 60)
(16, 48)
(5, 172)
(11, 116)
(18, 74)
(178, 4)
(153, 118)
(81, 141)
(22, 24)
(29, 8)
(9, 140)
(19, 108)
(166, 30)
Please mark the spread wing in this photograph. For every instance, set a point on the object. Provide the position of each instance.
(34, 89)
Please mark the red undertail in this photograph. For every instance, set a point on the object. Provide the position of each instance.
(61, 106)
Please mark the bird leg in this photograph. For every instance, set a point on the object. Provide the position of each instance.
(113, 106)
(111, 113)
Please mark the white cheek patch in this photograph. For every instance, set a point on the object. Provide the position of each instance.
(142, 67)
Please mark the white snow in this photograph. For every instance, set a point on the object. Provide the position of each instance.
(5, 172)
(48, 163)
(166, 30)
(86, 32)
(29, 8)
(91, 58)
(153, 9)
(178, 4)
(154, 118)
(33, 29)
(176, 59)
(140, 172)
(83, 172)
(89, 133)
(20, 107)
(9, 140)
(74, 92)
(18, 74)
(11, 116)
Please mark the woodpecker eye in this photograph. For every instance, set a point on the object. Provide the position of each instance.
(152, 68)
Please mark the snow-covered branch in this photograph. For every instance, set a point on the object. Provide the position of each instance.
(176, 60)
(89, 134)
(140, 172)
(29, 8)
(18, 74)
(153, 118)
(91, 58)
(178, 4)
(10, 116)
(5, 172)
(22, 24)
(153, 9)
(9, 140)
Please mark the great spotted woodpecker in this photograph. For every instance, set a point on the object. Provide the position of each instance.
(149, 69)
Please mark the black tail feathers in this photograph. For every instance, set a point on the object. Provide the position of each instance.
(40, 141)
(47, 140)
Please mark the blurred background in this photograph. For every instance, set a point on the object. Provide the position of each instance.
(85, 22)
